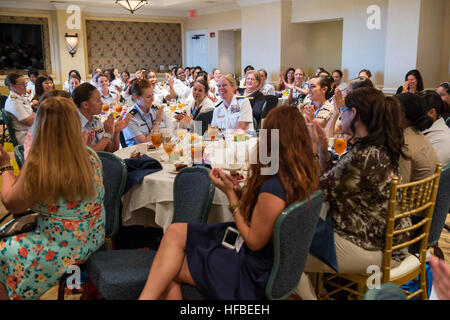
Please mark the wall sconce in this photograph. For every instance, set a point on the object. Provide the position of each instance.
(72, 43)
(131, 5)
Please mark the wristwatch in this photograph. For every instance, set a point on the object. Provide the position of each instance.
(6, 168)
(107, 136)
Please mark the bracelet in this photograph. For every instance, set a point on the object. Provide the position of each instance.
(233, 208)
(6, 168)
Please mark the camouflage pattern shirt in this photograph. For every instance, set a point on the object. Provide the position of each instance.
(357, 189)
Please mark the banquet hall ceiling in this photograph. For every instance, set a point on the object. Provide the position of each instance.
(158, 7)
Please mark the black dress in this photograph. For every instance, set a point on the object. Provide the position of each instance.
(223, 274)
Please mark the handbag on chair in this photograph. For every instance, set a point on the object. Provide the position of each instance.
(21, 223)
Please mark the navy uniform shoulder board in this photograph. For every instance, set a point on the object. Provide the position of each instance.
(133, 112)
(218, 104)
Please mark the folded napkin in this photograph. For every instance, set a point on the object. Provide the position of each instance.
(138, 168)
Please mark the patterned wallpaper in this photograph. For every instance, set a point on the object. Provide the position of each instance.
(46, 34)
(133, 45)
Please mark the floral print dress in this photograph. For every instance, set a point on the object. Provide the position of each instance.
(67, 233)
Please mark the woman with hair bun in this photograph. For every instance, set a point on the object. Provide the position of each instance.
(145, 118)
(320, 108)
(421, 159)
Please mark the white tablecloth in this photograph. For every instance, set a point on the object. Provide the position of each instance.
(151, 203)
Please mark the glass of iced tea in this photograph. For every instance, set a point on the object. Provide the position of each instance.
(340, 144)
(181, 133)
(168, 147)
(118, 109)
(213, 131)
(173, 107)
(105, 108)
(156, 138)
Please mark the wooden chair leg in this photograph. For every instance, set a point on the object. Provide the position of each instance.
(62, 286)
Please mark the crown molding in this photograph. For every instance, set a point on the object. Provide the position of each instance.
(218, 9)
(27, 5)
(247, 3)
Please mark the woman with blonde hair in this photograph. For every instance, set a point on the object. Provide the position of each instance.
(62, 180)
(232, 112)
(251, 91)
(193, 253)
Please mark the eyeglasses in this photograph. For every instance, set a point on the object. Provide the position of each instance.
(343, 109)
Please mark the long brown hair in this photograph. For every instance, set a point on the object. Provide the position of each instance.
(298, 169)
(58, 164)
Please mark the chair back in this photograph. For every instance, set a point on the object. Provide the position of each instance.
(122, 140)
(7, 118)
(292, 236)
(114, 179)
(271, 102)
(3, 99)
(205, 118)
(19, 155)
(193, 193)
(414, 198)
(441, 208)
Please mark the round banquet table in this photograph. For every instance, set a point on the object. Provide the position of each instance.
(151, 202)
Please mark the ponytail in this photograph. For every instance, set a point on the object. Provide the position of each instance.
(394, 138)
(381, 116)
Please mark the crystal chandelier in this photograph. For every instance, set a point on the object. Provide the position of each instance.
(131, 5)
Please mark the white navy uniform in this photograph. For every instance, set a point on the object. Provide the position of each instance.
(228, 118)
(20, 107)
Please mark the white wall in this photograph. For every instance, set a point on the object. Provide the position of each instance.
(432, 15)
(226, 52)
(237, 52)
(214, 23)
(445, 50)
(401, 41)
(261, 36)
(325, 46)
(361, 47)
(294, 42)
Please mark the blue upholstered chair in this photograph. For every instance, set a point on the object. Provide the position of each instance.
(292, 237)
(114, 179)
(121, 274)
(19, 155)
(8, 121)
